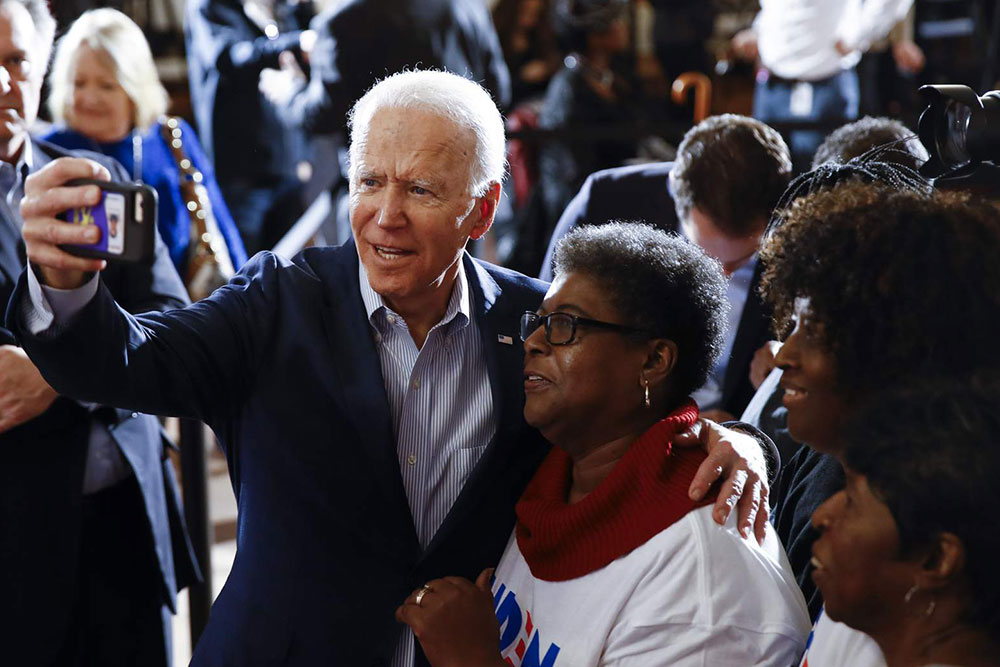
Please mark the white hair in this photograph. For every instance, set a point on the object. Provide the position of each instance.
(109, 33)
(464, 102)
(45, 26)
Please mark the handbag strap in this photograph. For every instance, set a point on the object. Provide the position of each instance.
(190, 176)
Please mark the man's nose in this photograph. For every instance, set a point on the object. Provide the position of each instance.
(391, 211)
(5, 81)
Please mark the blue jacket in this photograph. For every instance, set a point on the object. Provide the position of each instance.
(281, 363)
(41, 475)
(159, 169)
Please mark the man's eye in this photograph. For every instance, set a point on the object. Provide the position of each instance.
(417, 190)
(369, 182)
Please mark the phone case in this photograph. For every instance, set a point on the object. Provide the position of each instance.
(126, 217)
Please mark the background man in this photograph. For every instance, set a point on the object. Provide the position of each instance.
(719, 193)
(808, 51)
(368, 397)
(92, 543)
(256, 157)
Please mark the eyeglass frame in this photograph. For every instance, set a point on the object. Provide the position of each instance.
(574, 321)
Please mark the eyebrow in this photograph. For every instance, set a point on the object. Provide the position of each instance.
(562, 308)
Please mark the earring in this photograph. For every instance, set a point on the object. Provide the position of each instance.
(930, 609)
(910, 593)
(645, 384)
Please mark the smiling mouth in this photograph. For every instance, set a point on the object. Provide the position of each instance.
(793, 395)
(535, 382)
(385, 252)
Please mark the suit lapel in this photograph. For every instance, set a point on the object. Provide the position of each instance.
(357, 385)
(504, 363)
(12, 259)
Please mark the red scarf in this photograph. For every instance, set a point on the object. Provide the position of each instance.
(646, 492)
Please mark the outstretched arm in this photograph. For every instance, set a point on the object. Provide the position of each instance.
(191, 362)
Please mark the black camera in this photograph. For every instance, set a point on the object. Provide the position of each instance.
(960, 130)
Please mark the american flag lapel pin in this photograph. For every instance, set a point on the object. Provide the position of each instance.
(506, 340)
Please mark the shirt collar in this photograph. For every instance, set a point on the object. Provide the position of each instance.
(459, 303)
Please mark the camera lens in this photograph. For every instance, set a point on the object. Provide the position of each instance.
(952, 135)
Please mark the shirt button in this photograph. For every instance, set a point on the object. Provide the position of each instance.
(415, 384)
(377, 337)
(411, 459)
(391, 319)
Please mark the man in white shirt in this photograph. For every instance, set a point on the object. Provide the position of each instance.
(808, 50)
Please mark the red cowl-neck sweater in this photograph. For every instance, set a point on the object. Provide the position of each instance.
(646, 492)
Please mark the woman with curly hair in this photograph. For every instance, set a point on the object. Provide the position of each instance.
(875, 286)
(611, 562)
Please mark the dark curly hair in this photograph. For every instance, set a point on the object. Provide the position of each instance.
(732, 168)
(904, 284)
(929, 452)
(900, 145)
(661, 284)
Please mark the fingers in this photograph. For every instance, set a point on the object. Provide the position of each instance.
(46, 195)
(748, 505)
(729, 495)
(763, 512)
(58, 172)
(48, 203)
(483, 580)
(708, 473)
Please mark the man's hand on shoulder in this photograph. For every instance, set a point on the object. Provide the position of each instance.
(46, 195)
(735, 458)
(23, 393)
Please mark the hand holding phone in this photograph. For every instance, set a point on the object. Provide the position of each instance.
(126, 218)
(48, 195)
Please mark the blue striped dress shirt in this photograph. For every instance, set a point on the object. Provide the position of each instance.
(442, 409)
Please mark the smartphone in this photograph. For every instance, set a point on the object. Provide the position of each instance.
(126, 216)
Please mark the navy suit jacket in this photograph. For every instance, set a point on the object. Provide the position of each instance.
(41, 476)
(281, 363)
(642, 193)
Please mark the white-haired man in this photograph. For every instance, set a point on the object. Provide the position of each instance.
(370, 411)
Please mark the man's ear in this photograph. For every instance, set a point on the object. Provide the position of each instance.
(661, 360)
(485, 210)
(942, 564)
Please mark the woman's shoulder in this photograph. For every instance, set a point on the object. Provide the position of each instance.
(60, 135)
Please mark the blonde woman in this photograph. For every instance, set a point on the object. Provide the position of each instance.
(106, 96)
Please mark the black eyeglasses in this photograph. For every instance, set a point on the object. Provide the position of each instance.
(560, 328)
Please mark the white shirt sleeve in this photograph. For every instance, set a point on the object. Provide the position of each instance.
(46, 306)
(874, 21)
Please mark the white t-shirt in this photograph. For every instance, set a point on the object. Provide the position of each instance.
(696, 594)
(797, 38)
(833, 644)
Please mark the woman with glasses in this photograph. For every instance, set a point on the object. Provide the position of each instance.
(610, 562)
